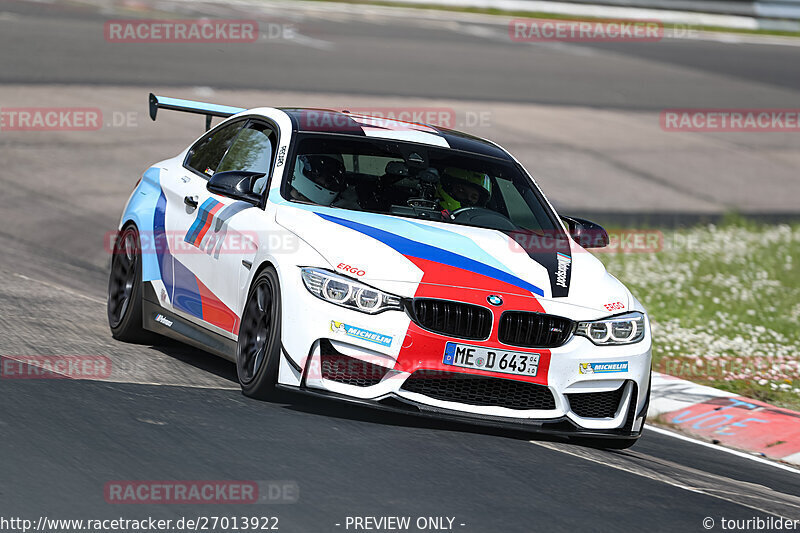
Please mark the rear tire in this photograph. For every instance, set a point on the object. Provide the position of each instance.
(124, 306)
(259, 348)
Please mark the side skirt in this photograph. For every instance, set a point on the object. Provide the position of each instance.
(158, 320)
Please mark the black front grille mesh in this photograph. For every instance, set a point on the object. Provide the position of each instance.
(596, 404)
(533, 330)
(351, 371)
(479, 390)
(454, 319)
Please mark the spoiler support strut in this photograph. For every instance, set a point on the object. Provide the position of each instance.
(190, 106)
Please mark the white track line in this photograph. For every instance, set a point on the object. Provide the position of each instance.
(687, 478)
(155, 383)
(737, 453)
(61, 288)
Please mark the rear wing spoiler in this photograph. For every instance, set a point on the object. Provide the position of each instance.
(190, 106)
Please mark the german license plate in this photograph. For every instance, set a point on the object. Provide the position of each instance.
(493, 360)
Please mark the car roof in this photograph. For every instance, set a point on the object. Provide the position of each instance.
(344, 123)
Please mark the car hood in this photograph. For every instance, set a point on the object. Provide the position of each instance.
(398, 255)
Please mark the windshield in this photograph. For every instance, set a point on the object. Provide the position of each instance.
(412, 180)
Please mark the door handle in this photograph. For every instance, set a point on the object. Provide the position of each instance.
(190, 201)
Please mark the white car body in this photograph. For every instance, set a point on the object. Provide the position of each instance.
(196, 282)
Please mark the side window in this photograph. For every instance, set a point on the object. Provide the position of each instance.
(206, 154)
(251, 151)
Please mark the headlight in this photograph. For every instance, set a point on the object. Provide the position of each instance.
(343, 291)
(622, 329)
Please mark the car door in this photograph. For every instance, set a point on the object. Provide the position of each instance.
(189, 204)
(214, 243)
(232, 241)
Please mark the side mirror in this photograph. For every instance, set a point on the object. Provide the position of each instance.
(587, 233)
(236, 184)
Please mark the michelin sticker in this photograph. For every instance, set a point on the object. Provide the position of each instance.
(363, 334)
(603, 368)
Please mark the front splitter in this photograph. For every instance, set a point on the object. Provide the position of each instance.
(557, 427)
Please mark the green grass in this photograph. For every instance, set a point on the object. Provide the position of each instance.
(724, 302)
(556, 16)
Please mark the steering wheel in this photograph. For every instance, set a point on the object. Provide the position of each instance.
(469, 214)
(461, 210)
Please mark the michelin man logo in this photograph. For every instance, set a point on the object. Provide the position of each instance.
(603, 368)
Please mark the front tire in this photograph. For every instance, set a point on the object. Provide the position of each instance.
(259, 346)
(124, 306)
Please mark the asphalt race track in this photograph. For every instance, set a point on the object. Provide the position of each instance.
(404, 56)
(168, 412)
(583, 117)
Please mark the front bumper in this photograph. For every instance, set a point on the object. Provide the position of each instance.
(559, 427)
(409, 349)
(356, 381)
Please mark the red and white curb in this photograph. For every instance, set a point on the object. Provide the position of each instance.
(725, 418)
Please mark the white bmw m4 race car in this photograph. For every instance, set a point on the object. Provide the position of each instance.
(398, 265)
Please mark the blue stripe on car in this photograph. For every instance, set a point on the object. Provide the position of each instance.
(179, 281)
(420, 250)
(140, 210)
(429, 234)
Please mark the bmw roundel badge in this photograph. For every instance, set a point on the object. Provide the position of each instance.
(494, 299)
